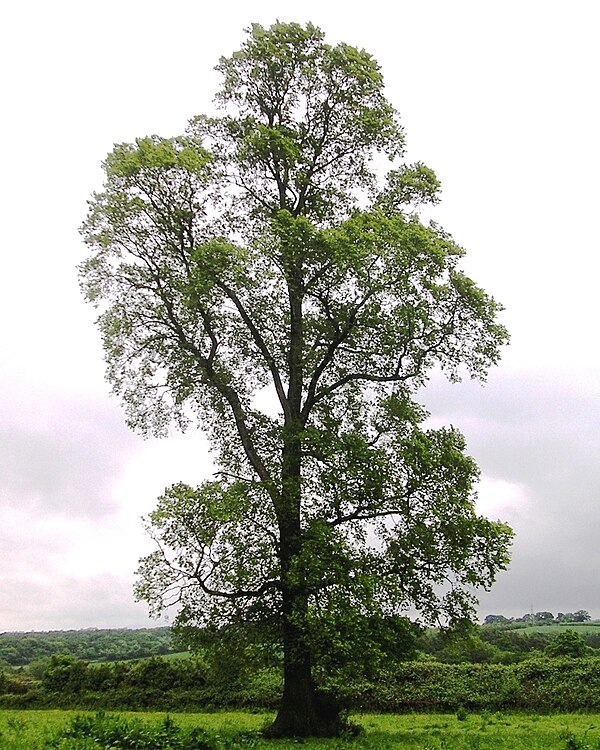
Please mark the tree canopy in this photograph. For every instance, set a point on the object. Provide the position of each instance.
(262, 277)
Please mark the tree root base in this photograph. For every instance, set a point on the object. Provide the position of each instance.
(326, 719)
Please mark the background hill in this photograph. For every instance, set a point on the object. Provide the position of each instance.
(19, 649)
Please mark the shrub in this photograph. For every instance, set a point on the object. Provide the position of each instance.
(117, 733)
(568, 643)
(65, 673)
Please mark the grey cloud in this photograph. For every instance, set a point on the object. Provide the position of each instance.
(102, 601)
(60, 454)
(72, 477)
(529, 430)
(542, 434)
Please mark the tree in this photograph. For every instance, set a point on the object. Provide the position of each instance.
(257, 275)
(581, 616)
(495, 620)
(568, 643)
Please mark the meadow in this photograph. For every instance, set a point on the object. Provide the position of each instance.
(525, 697)
(44, 730)
(583, 628)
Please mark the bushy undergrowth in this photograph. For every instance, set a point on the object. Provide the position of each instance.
(542, 684)
(105, 732)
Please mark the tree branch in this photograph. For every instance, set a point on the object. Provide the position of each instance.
(241, 593)
(341, 336)
(262, 346)
(229, 393)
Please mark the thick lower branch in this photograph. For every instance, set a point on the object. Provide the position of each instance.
(241, 593)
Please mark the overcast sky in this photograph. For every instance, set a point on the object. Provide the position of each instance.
(499, 98)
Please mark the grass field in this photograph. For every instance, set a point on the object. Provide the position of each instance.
(31, 730)
(579, 627)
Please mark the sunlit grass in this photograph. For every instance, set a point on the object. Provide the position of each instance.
(29, 730)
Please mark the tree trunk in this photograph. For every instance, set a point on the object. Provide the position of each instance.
(298, 714)
(304, 711)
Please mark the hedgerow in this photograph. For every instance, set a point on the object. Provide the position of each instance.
(541, 685)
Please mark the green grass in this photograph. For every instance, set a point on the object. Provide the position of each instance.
(176, 656)
(28, 730)
(580, 627)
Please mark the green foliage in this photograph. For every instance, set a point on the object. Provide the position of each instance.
(15, 684)
(507, 642)
(463, 646)
(580, 616)
(539, 619)
(568, 643)
(232, 655)
(382, 642)
(574, 742)
(540, 684)
(496, 620)
(117, 733)
(65, 673)
(543, 685)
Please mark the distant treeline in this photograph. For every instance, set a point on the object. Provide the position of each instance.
(504, 644)
(498, 642)
(540, 618)
(18, 649)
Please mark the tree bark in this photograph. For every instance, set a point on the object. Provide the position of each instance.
(298, 714)
(303, 711)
